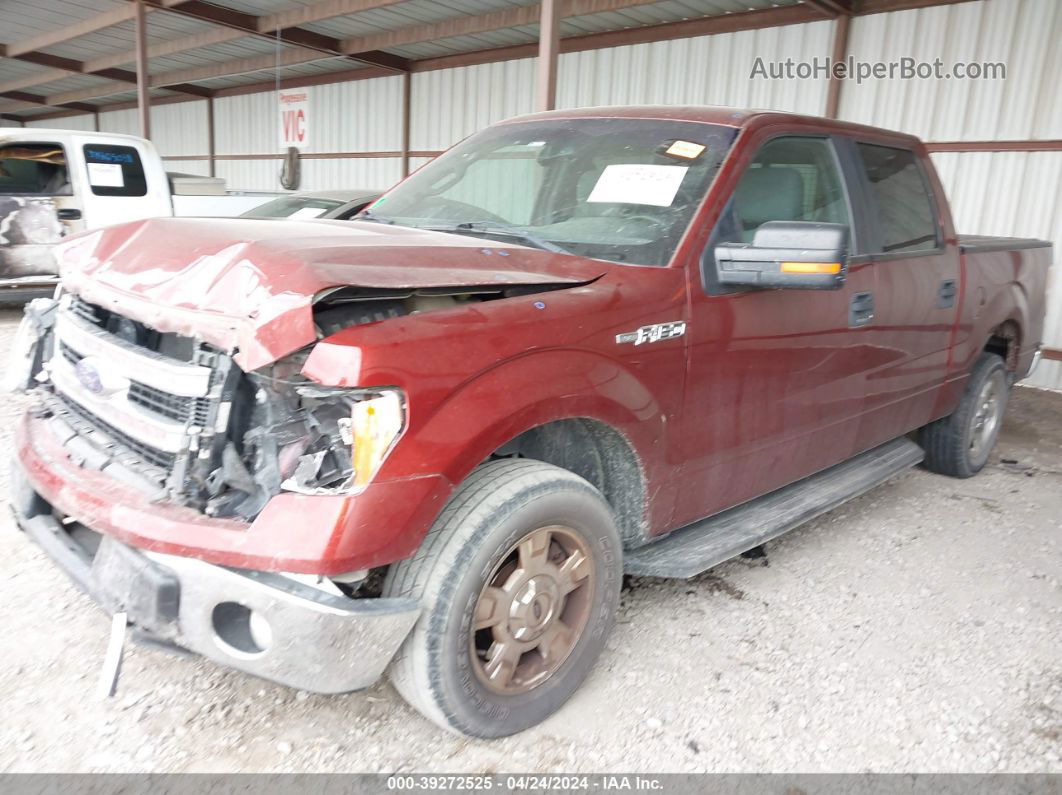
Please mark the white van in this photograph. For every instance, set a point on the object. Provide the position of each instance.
(57, 182)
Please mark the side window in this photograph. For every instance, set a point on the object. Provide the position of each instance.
(905, 208)
(791, 179)
(114, 170)
(33, 169)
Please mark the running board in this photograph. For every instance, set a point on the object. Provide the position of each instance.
(698, 547)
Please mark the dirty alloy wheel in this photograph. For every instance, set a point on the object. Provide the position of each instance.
(532, 610)
(959, 444)
(518, 580)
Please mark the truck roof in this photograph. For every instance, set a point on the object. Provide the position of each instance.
(708, 114)
(22, 133)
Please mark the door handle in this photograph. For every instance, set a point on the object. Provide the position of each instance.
(861, 309)
(946, 295)
(68, 214)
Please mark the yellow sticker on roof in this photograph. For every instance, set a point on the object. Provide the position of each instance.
(686, 149)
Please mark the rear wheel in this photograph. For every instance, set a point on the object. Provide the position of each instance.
(959, 444)
(519, 580)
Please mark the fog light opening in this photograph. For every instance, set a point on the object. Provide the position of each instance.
(240, 630)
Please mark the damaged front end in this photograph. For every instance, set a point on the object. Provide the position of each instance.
(177, 418)
(294, 435)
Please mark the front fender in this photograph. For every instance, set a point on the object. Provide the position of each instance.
(525, 392)
(499, 405)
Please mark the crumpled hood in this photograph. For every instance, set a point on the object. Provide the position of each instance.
(249, 284)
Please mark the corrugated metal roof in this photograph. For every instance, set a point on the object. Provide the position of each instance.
(71, 83)
(11, 69)
(403, 15)
(658, 13)
(161, 27)
(25, 19)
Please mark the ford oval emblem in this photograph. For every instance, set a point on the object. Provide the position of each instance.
(89, 376)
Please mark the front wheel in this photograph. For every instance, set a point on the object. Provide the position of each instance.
(959, 444)
(519, 581)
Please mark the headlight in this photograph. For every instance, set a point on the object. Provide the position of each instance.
(374, 427)
(350, 433)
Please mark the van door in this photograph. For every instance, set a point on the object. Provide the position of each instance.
(123, 181)
(38, 207)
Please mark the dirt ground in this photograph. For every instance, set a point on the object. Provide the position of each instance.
(918, 628)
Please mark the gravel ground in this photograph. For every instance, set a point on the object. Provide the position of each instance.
(918, 628)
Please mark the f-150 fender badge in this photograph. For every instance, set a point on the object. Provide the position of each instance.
(654, 333)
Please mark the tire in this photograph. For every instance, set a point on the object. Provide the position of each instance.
(479, 682)
(959, 444)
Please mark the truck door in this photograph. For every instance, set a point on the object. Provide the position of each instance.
(918, 294)
(123, 180)
(38, 207)
(776, 376)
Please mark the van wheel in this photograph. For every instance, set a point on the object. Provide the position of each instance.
(519, 581)
(959, 444)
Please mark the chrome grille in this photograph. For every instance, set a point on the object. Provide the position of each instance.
(194, 411)
(85, 421)
(140, 406)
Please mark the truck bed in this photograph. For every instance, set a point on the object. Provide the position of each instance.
(973, 244)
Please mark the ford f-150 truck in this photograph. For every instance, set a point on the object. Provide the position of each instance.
(578, 344)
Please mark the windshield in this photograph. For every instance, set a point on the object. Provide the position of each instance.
(622, 190)
(293, 207)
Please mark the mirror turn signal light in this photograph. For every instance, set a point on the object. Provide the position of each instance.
(811, 267)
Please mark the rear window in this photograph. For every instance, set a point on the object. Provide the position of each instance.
(114, 170)
(33, 169)
(905, 207)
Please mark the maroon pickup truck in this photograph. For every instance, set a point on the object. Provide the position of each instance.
(578, 344)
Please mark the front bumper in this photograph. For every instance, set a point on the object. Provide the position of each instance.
(302, 636)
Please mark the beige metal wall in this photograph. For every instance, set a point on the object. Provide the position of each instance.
(359, 116)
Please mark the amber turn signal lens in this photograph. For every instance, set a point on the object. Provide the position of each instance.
(811, 267)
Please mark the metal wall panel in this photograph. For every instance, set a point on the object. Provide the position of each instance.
(246, 124)
(357, 116)
(1023, 34)
(707, 70)
(450, 104)
(375, 172)
(126, 122)
(249, 174)
(378, 173)
(180, 128)
(201, 167)
(81, 122)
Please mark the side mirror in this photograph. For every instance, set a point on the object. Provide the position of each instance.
(800, 255)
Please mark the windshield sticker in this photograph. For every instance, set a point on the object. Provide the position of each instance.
(106, 175)
(308, 212)
(637, 183)
(685, 149)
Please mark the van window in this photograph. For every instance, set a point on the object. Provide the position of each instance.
(905, 207)
(33, 169)
(114, 170)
